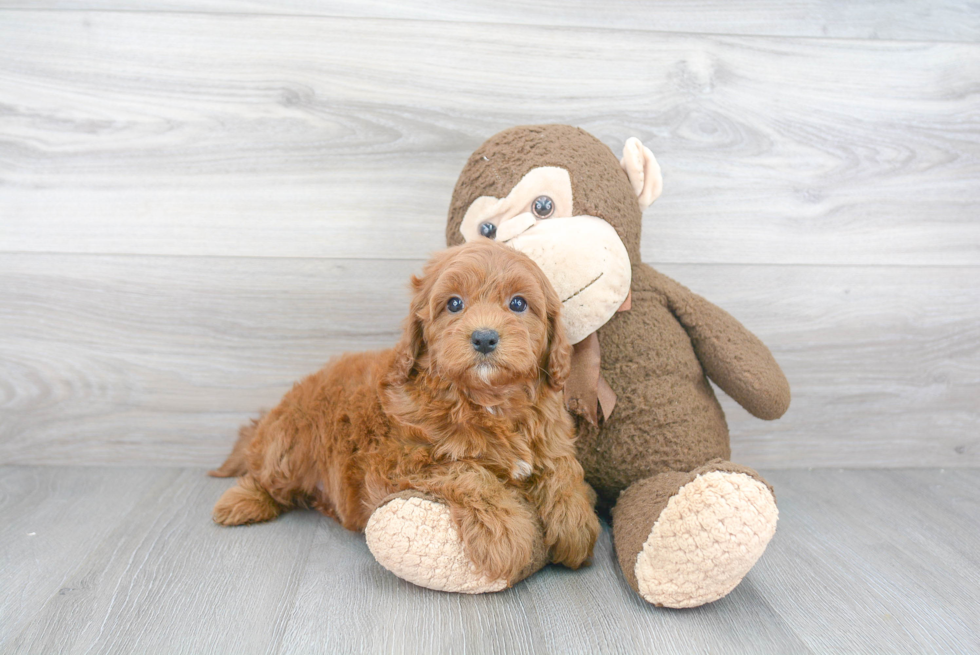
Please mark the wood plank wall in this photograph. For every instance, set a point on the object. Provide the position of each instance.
(202, 201)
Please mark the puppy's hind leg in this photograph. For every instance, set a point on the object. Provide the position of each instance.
(235, 464)
(246, 502)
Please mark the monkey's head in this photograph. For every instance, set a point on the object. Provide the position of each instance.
(557, 194)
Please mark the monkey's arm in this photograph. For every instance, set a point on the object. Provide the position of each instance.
(733, 357)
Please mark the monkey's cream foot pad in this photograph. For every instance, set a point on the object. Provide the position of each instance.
(706, 539)
(415, 539)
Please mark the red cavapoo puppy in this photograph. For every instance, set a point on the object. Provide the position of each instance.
(467, 407)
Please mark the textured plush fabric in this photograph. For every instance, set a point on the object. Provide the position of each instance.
(643, 171)
(640, 506)
(707, 537)
(599, 184)
(636, 513)
(412, 535)
(657, 357)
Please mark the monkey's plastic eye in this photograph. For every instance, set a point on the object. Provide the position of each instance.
(518, 304)
(489, 230)
(542, 207)
(455, 304)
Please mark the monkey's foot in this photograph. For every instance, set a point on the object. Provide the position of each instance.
(414, 537)
(706, 537)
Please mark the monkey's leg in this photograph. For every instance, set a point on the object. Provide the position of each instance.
(686, 539)
(412, 535)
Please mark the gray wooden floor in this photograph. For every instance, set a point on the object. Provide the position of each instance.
(126, 560)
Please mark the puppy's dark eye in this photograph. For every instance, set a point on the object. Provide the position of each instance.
(542, 207)
(489, 230)
(455, 304)
(518, 304)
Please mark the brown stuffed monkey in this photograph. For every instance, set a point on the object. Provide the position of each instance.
(687, 523)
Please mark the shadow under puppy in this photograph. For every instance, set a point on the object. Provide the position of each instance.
(467, 407)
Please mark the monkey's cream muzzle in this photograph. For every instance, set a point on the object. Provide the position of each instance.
(583, 256)
(584, 259)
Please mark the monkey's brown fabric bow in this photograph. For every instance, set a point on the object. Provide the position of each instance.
(586, 392)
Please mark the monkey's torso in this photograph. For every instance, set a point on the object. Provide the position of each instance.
(667, 417)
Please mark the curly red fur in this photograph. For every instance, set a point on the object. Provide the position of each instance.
(486, 433)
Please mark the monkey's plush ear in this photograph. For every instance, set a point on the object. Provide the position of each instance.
(643, 171)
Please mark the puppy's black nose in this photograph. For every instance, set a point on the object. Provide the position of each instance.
(484, 341)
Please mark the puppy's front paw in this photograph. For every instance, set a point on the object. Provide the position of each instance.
(414, 537)
(500, 543)
(571, 532)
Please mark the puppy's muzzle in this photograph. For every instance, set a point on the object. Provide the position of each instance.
(484, 341)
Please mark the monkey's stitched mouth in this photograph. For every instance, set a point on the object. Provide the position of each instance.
(583, 288)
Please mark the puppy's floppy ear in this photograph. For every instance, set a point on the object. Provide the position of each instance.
(411, 345)
(559, 350)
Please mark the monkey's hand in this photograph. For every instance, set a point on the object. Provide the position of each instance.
(733, 357)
